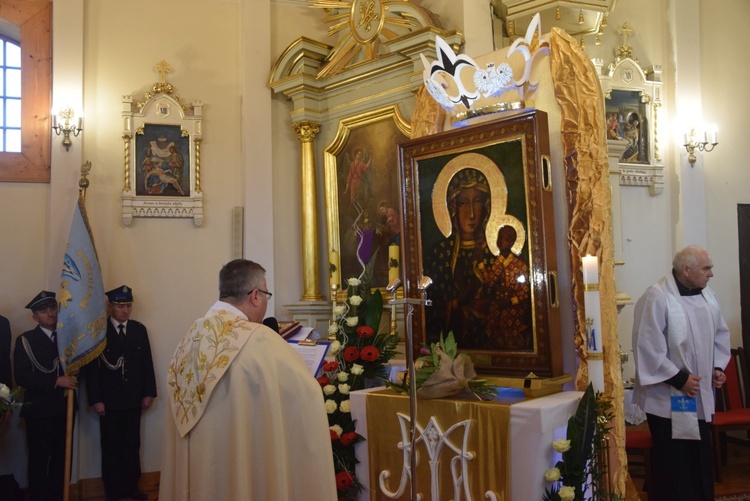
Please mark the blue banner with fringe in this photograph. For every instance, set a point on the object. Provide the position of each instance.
(82, 321)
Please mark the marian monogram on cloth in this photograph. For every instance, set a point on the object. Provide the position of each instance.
(201, 359)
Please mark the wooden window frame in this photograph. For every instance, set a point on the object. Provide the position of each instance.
(32, 164)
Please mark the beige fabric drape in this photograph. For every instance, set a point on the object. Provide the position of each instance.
(579, 94)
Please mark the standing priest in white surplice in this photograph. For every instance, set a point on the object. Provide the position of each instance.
(247, 419)
(681, 347)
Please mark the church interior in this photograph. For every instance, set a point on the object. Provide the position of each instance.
(268, 86)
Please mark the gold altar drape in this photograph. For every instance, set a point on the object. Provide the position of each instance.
(579, 93)
(487, 440)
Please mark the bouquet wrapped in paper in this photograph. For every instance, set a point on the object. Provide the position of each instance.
(443, 372)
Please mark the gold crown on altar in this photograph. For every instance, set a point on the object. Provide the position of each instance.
(466, 91)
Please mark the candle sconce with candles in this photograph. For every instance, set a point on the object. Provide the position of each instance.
(692, 143)
(67, 127)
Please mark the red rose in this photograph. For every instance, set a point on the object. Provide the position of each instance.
(334, 435)
(330, 366)
(351, 354)
(365, 331)
(323, 380)
(370, 354)
(343, 480)
(349, 438)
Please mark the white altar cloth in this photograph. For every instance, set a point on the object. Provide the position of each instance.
(534, 424)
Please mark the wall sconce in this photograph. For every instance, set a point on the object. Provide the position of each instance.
(692, 143)
(66, 115)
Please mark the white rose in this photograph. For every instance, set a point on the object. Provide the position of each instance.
(338, 429)
(333, 328)
(355, 300)
(357, 369)
(352, 321)
(344, 388)
(329, 389)
(552, 475)
(344, 407)
(4, 391)
(339, 310)
(353, 282)
(343, 376)
(331, 406)
(334, 348)
(567, 493)
(561, 445)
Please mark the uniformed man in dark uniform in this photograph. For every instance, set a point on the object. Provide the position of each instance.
(121, 384)
(38, 371)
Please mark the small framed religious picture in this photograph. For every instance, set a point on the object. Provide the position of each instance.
(632, 101)
(162, 139)
(479, 222)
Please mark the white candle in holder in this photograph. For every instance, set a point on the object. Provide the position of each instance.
(593, 322)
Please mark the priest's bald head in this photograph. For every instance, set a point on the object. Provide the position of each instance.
(693, 267)
(242, 283)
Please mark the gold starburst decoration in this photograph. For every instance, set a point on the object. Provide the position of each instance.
(363, 26)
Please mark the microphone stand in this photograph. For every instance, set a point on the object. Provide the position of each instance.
(424, 283)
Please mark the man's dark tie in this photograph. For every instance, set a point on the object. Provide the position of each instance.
(121, 329)
(54, 337)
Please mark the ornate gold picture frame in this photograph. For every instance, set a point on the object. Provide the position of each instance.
(162, 139)
(478, 220)
(362, 191)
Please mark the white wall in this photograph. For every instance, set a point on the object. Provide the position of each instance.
(724, 35)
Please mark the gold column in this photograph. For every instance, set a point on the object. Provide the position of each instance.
(306, 132)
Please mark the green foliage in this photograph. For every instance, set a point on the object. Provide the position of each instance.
(580, 466)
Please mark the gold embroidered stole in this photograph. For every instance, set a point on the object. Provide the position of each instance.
(201, 359)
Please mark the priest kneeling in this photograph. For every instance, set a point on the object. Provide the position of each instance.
(247, 419)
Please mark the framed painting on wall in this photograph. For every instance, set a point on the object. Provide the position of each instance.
(478, 220)
(362, 191)
(162, 139)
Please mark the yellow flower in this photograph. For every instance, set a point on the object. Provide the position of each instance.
(223, 361)
(561, 445)
(552, 475)
(334, 348)
(331, 406)
(200, 390)
(567, 493)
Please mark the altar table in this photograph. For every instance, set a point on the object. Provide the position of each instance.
(533, 425)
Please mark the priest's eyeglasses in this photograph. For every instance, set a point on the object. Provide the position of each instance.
(269, 294)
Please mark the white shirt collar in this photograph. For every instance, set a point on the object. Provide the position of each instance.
(115, 323)
(221, 305)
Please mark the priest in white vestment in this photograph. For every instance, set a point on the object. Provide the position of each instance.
(681, 347)
(247, 420)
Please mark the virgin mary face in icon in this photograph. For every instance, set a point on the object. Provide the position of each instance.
(468, 202)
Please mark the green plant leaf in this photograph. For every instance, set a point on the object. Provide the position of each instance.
(374, 310)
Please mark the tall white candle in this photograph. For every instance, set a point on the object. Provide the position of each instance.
(592, 315)
(590, 269)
